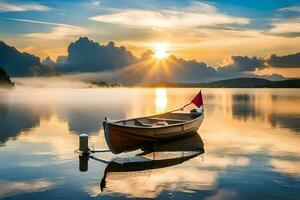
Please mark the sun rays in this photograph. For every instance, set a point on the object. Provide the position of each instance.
(161, 50)
(159, 66)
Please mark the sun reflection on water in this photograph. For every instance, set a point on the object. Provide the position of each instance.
(161, 100)
(245, 132)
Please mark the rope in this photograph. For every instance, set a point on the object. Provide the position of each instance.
(180, 109)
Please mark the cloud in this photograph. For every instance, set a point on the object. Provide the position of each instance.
(85, 55)
(150, 71)
(286, 26)
(242, 64)
(197, 15)
(290, 167)
(42, 22)
(93, 3)
(295, 8)
(59, 31)
(177, 70)
(21, 7)
(287, 61)
(11, 188)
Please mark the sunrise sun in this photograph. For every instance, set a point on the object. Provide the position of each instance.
(161, 50)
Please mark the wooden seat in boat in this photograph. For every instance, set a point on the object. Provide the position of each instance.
(170, 120)
(159, 123)
(141, 123)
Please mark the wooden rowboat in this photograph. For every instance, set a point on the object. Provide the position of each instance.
(154, 128)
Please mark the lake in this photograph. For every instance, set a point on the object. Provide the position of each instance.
(251, 140)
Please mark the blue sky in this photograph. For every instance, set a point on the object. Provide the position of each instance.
(209, 31)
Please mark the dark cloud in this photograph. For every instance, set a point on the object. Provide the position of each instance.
(119, 64)
(242, 64)
(151, 70)
(88, 56)
(288, 61)
(85, 55)
(173, 70)
(286, 34)
(147, 54)
(177, 70)
(61, 60)
(273, 77)
(192, 71)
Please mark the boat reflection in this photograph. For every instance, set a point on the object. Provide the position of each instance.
(152, 156)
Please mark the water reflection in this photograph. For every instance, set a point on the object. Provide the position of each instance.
(243, 106)
(251, 140)
(151, 159)
(160, 100)
(14, 119)
(11, 188)
(290, 121)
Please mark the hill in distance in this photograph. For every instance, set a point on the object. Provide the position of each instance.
(5, 81)
(235, 83)
(254, 83)
(16, 63)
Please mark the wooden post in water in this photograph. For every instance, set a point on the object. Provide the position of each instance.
(83, 163)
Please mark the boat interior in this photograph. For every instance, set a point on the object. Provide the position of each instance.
(160, 120)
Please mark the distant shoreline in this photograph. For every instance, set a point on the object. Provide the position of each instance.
(232, 83)
(59, 82)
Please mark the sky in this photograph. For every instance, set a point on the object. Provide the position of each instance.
(207, 31)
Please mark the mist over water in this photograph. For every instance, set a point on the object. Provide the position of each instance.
(49, 82)
(251, 140)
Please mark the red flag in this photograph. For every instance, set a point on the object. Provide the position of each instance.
(198, 101)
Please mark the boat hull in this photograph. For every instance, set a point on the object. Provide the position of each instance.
(133, 138)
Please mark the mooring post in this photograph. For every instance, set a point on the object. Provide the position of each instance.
(83, 163)
(84, 143)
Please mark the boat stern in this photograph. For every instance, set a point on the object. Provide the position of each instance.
(106, 132)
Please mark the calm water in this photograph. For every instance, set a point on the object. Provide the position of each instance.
(251, 139)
